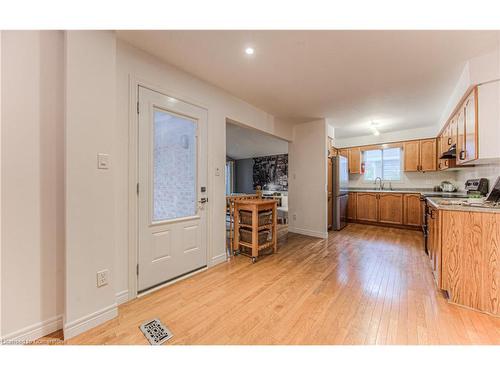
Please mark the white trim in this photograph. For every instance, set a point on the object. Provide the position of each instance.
(34, 331)
(218, 259)
(307, 232)
(121, 297)
(168, 283)
(90, 321)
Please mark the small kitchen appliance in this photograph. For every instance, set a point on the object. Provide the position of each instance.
(477, 187)
(448, 187)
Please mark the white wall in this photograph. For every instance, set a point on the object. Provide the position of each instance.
(90, 201)
(397, 136)
(32, 215)
(135, 64)
(489, 171)
(307, 175)
(415, 180)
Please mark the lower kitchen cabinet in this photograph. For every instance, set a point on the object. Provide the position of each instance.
(434, 244)
(390, 208)
(351, 206)
(367, 206)
(471, 259)
(386, 208)
(412, 210)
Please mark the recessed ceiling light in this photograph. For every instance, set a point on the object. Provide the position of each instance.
(374, 129)
(249, 51)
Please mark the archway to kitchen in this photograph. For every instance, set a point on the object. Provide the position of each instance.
(256, 167)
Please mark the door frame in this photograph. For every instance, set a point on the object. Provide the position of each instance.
(133, 160)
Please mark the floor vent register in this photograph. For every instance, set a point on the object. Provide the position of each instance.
(156, 332)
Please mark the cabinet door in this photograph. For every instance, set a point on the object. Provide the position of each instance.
(443, 141)
(411, 151)
(428, 155)
(351, 206)
(452, 131)
(412, 210)
(390, 208)
(462, 257)
(470, 115)
(367, 206)
(344, 152)
(461, 135)
(354, 160)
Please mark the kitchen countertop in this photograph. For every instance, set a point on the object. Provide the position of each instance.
(436, 202)
(424, 192)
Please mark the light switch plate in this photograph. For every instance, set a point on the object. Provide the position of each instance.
(102, 161)
(102, 278)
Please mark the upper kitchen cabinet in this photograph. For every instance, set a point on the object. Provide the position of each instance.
(344, 152)
(468, 129)
(473, 126)
(428, 155)
(420, 156)
(355, 160)
(411, 154)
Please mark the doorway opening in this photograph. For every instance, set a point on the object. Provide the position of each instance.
(256, 166)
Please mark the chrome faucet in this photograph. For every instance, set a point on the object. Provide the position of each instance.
(381, 183)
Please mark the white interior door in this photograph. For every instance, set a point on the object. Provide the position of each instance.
(172, 174)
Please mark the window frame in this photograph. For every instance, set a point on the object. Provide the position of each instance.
(382, 149)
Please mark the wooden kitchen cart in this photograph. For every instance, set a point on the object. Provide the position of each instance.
(255, 206)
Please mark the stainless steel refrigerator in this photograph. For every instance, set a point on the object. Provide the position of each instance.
(339, 193)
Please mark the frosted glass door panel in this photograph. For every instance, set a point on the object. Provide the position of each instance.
(174, 166)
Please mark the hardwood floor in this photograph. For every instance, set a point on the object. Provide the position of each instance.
(364, 285)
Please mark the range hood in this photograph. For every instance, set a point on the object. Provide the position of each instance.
(450, 154)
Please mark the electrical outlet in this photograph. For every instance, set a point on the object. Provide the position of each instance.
(102, 278)
(294, 217)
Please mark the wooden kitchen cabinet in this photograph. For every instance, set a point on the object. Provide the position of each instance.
(470, 254)
(434, 244)
(344, 152)
(428, 155)
(420, 155)
(471, 140)
(367, 206)
(461, 135)
(390, 208)
(351, 206)
(412, 210)
(355, 160)
(411, 154)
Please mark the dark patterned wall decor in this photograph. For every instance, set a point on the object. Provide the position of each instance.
(271, 172)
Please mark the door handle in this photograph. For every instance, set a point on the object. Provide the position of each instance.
(203, 200)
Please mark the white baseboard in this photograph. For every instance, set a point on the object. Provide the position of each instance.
(122, 297)
(81, 325)
(34, 331)
(218, 259)
(307, 232)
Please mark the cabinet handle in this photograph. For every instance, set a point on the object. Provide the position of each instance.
(439, 166)
(449, 141)
(462, 155)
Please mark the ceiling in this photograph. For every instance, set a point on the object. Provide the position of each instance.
(244, 143)
(398, 79)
